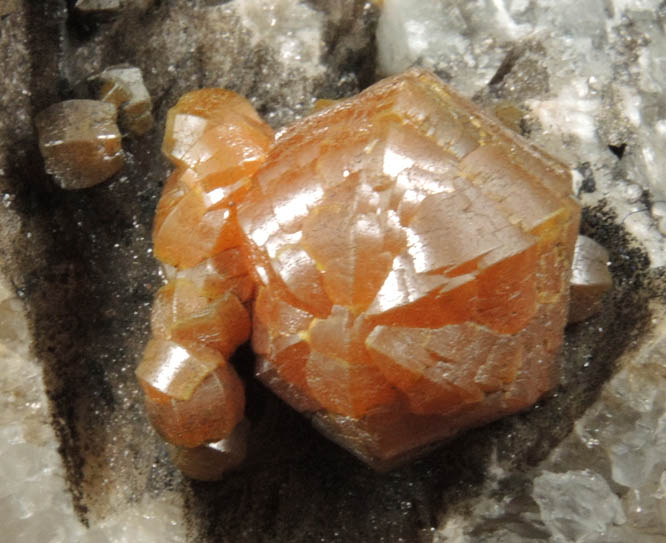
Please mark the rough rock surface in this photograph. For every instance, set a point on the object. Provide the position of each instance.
(80, 263)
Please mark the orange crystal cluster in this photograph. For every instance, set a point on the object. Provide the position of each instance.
(193, 396)
(413, 260)
(410, 259)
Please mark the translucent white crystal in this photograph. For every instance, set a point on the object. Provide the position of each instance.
(646, 507)
(628, 423)
(637, 453)
(577, 505)
(413, 29)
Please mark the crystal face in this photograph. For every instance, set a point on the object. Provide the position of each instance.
(410, 259)
(123, 86)
(590, 279)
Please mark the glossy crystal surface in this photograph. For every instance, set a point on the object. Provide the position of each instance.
(405, 260)
(413, 260)
(590, 279)
(217, 141)
(193, 396)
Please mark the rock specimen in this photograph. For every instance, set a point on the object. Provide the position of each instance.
(411, 261)
(80, 142)
(123, 86)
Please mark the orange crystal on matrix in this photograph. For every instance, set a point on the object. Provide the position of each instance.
(410, 255)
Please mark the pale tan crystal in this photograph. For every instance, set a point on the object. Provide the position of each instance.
(123, 86)
(590, 279)
(80, 142)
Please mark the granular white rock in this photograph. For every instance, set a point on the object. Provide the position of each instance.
(439, 36)
(35, 505)
(290, 28)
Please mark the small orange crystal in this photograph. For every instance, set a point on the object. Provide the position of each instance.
(194, 398)
(410, 255)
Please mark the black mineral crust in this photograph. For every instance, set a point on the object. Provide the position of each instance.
(81, 262)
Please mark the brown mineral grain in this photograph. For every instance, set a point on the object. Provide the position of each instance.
(80, 142)
(123, 86)
(9, 6)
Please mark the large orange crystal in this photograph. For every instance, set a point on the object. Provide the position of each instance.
(411, 259)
